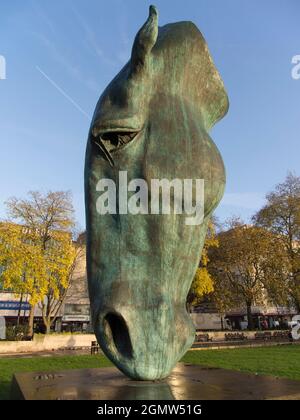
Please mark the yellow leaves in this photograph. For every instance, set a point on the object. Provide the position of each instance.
(37, 255)
(28, 267)
(247, 266)
(43, 212)
(202, 284)
(211, 241)
(13, 256)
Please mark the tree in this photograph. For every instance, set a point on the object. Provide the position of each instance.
(281, 216)
(243, 266)
(203, 282)
(47, 223)
(61, 260)
(60, 257)
(20, 260)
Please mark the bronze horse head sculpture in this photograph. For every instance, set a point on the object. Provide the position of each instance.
(151, 122)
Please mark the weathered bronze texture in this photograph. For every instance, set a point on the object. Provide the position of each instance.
(151, 121)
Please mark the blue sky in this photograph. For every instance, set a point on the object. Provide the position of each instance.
(60, 55)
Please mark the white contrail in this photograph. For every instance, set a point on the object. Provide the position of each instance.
(64, 94)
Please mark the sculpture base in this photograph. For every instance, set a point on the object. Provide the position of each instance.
(186, 382)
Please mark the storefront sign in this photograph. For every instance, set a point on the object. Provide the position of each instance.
(76, 318)
(11, 305)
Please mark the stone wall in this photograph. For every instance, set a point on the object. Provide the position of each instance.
(220, 335)
(49, 342)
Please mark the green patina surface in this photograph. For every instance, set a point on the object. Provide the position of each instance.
(151, 121)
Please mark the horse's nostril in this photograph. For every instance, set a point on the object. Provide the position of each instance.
(116, 329)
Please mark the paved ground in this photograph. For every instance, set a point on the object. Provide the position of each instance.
(185, 382)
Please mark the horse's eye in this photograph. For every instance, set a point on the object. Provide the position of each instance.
(115, 139)
(110, 141)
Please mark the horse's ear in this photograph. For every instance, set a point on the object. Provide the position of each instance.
(144, 41)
